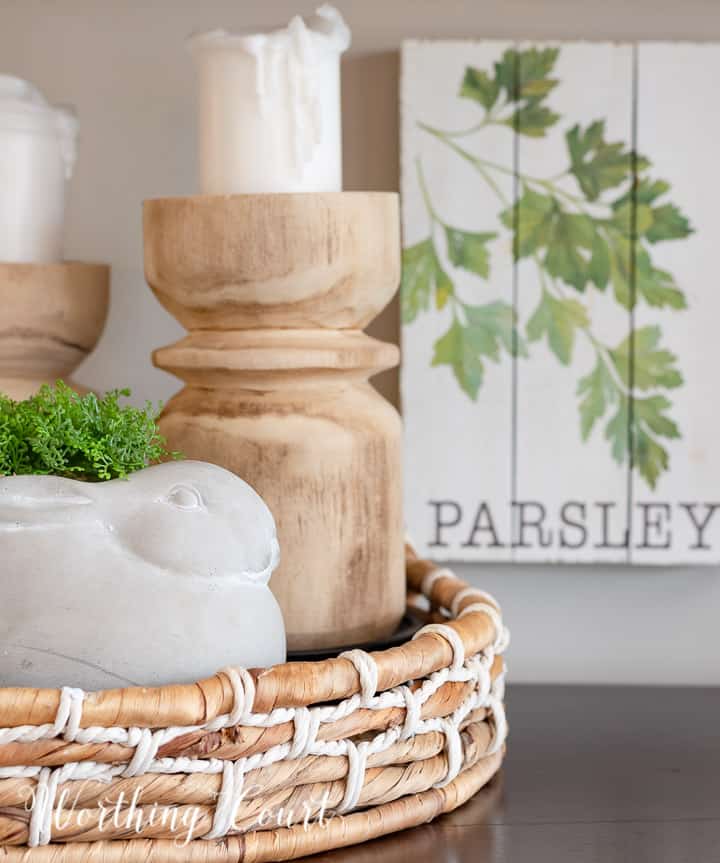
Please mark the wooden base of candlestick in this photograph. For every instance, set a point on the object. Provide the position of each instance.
(51, 317)
(275, 291)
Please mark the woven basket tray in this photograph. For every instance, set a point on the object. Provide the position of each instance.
(268, 764)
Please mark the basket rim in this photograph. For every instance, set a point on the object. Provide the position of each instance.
(289, 684)
(286, 843)
(407, 725)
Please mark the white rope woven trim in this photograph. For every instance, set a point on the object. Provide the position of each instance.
(502, 634)
(429, 581)
(484, 695)
(475, 593)
(229, 798)
(307, 722)
(452, 638)
(367, 670)
(357, 755)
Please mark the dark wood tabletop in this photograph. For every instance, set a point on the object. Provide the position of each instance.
(593, 775)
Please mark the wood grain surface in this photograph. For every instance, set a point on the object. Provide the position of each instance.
(51, 317)
(275, 291)
(286, 260)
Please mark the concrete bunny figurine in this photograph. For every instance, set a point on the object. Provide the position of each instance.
(160, 578)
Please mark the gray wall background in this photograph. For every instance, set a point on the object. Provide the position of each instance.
(123, 65)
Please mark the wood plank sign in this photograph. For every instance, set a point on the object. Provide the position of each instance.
(559, 303)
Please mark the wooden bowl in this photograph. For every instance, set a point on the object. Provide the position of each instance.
(51, 317)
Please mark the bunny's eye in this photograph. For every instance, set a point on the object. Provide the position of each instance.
(185, 497)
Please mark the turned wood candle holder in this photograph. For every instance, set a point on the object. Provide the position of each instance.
(274, 291)
(51, 317)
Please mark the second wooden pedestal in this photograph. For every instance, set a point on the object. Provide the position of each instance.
(51, 317)
(275, 291)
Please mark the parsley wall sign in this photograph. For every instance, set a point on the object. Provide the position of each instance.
(558, 301)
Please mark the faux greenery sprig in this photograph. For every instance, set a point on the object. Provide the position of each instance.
(62, 433)
(591, 227)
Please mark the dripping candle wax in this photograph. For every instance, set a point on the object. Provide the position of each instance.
(269, 107)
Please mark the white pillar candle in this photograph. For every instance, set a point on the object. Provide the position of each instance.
(37, 155)
(270, 107)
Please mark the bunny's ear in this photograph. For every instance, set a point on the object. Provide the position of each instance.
(34, 501)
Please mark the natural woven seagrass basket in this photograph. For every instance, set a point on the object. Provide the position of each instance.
(267, 764)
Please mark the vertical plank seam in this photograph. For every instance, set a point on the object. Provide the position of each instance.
(633, 300)
(516, 306)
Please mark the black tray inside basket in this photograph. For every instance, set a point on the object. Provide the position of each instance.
(409, 625)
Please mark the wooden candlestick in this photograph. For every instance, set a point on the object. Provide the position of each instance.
(275, 291)
(51, 317)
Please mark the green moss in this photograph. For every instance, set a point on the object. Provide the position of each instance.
(86, 437)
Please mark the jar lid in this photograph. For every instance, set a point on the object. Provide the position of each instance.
(23, 108)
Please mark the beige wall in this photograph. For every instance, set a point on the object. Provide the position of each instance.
(122, 63)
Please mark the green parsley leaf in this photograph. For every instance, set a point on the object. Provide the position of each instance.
(558, 319)
(651, 412)
(524, 74)
(530, 219)
(598, 270)
(653, 367)
(463, 347)
(597, 390)
(668, 223)
(617, 431)
(648, 419)
(649, 456)
(654, 223)
(620, 268)
(532, 120)
(469, 250)
(541, 223)
(656, 287)
(458, 349)
(596, 164)
(418, 269)
(570, 232)
(480, 87)
(421, 274)
(495, 325)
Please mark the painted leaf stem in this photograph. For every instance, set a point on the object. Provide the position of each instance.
(592, 227)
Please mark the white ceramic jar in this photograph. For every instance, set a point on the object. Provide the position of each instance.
(37, 156)
(270, 107)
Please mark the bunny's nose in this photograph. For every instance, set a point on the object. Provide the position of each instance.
(275, 554)
(263, 575)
